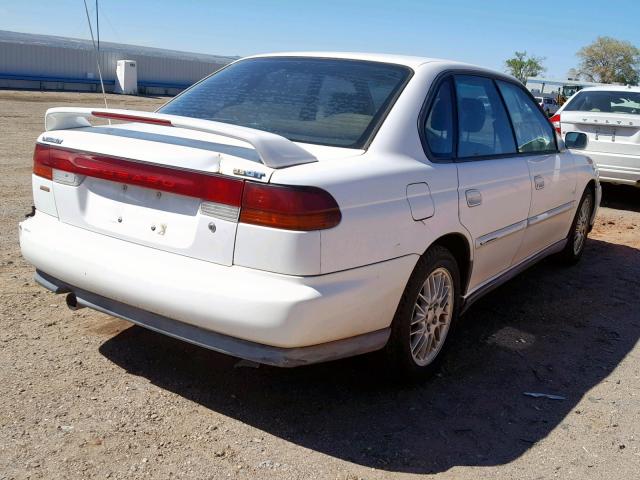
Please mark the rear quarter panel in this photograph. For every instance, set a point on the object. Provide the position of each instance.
(377, 224)
(371, 189)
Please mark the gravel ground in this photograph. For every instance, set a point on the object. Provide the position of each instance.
(84, 395)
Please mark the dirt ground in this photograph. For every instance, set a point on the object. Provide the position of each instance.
(84, 395)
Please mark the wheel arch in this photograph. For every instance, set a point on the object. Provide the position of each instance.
(460, 248)
(591, 185)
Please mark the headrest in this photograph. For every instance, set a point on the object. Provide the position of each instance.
(348, 103)
(601, 103)
(440, 116)
(472, 115)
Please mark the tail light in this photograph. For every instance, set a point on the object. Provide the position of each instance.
(555, 121)
(277, 206)
(209, 187)
(41, 165)
(289, 207)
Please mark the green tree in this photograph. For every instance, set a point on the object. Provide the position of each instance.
(523, 66)
(608, 60)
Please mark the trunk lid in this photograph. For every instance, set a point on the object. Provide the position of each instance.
(617, 133)
(167, 182)
(155, 217)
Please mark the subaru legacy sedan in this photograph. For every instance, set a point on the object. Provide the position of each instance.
(298, 208)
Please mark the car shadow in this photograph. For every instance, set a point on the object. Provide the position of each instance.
(552, 330)
(621, 197)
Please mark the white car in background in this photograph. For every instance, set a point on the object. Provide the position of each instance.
(548, 105)
(609, 117)
(298, 208)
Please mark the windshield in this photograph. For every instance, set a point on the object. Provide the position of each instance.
(323, 101)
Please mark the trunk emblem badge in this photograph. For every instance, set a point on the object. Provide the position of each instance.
(212, 227)
(249, 173)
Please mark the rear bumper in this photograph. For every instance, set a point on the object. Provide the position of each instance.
(617, 168)
(230, 306)
(280, 357)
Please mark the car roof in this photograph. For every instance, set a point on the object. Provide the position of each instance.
(407, 60)
(611, 88)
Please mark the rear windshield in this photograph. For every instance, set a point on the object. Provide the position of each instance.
(610, 102)
(323, 101)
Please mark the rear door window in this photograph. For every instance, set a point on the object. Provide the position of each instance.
(534, 133)
(483, 125)
(438, 126)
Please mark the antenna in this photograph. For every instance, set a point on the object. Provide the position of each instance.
(98, 24)
(95, 49)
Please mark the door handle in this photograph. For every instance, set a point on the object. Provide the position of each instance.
(539, 182)
(474, 197)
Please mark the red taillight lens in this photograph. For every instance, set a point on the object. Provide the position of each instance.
(555, 121)
(41, 162)
(210, 187)
(288, 207)
(276, 206)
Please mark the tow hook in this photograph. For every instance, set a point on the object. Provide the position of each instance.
(32, 212)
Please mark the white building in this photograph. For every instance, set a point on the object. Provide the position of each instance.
(44, 62)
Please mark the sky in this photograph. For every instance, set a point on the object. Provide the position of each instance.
(482, 32)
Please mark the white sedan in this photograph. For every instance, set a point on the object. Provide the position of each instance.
(298, 208)
(608, 118)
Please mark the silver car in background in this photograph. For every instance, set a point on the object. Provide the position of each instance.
(549, 105)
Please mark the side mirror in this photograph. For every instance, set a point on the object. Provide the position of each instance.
(575, 140)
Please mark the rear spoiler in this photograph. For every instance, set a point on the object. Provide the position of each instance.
(274, 150)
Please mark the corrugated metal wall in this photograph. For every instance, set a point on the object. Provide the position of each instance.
(44, 60)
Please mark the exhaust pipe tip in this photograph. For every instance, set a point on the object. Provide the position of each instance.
(72, 302)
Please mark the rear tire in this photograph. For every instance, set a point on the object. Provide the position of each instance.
(426, 313)
(577, 237)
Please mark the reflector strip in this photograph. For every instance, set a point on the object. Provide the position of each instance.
(210, 187)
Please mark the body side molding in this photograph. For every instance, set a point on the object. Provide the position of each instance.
(495, 282)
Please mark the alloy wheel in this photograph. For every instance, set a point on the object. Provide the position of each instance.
(431, 317)
(582, 226)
